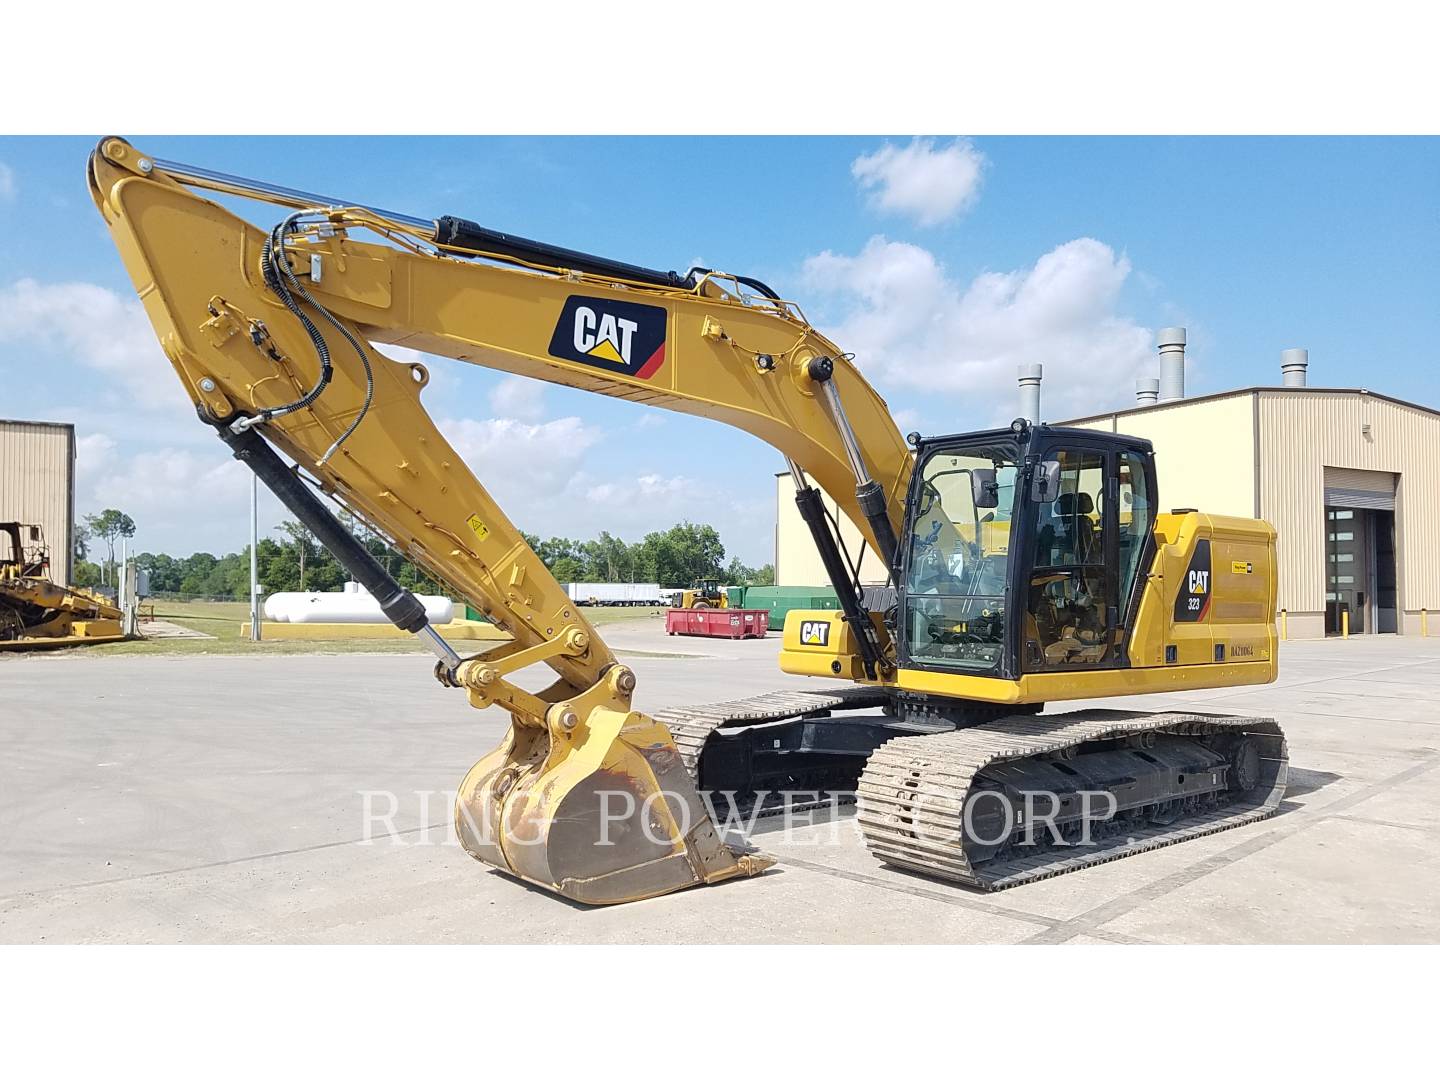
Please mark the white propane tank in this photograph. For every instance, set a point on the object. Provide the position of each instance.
(354, 605)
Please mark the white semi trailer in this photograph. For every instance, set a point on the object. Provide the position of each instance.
(615, 593)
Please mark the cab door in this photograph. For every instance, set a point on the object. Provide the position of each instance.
(1088, 537)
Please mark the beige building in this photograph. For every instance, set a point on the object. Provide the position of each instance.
(37, 485)
(796, 560)
(1349, 478)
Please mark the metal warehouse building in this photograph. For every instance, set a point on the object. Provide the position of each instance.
(37, 485)
(1350, 479)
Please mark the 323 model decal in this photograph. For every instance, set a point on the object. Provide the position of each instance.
(613, 335)
(1192, 602)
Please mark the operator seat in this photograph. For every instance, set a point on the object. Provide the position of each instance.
(1074, 509)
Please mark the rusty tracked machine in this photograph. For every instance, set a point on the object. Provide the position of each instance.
(1029, 565)
(35, 612)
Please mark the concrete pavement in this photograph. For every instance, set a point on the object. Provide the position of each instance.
(222, 799)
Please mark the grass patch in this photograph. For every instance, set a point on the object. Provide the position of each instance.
(223, 620)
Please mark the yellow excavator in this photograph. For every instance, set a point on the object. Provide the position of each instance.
(1029, 564)
(36, 613)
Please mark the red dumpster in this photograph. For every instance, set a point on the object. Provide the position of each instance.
(718, 622)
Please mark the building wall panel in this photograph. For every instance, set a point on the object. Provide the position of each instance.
(37, 484)
(1204, 453)
(1303, 434)
(796, 560)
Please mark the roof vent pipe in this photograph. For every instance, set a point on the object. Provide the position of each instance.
(1172, 362)
(1293, 363)
(1147, 392)
(1030, 391)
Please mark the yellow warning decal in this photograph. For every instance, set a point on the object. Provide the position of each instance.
(477, 526)
(1242, 568)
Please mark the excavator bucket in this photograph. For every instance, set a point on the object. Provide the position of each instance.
(602, 813)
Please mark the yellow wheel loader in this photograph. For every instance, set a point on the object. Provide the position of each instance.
(1028, 564)
(706, 594)
(36, 613)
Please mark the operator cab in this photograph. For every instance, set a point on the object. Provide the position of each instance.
(1022, 548)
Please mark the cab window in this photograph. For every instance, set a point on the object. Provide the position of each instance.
(959, 559)
(1136, 520)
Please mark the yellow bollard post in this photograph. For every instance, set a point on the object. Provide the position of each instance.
(1345, 623)
(1284, 625)
(1424, 622)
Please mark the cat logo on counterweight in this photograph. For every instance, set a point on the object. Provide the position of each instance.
(814, 632)
(613, 335)
(1192, 600)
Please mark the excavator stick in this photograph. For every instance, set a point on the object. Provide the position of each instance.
(585, 796)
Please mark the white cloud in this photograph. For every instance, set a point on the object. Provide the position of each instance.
(181, 500)
(549, 479)
(911, 325)
(519, 462)
(519, 399)
(8, 187)
(651, 491)
(171, 479)
(929, 183)
(97, 328)
(92, 453)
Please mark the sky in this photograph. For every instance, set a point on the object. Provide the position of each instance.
(942, 263)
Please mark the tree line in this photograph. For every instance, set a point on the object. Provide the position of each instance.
(676, 558)
(293, 561)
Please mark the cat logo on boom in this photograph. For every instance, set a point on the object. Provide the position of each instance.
(614, 335)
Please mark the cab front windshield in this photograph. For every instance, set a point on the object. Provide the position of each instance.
(959, 560)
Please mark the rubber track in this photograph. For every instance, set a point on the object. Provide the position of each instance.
(941, 767)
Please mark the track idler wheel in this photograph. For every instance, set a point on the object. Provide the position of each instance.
(1244, 765)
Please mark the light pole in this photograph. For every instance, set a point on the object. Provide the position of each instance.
(254, 563)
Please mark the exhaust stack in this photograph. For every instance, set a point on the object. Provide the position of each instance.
(1171, 341)
(1030, 375)
(1293, 363)
(1147, 392)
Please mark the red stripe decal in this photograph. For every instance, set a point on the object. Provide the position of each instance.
(653, 364)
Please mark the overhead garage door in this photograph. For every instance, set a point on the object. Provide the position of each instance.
(1363, 489)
